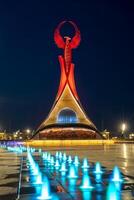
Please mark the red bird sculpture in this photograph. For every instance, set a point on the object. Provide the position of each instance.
(68, 44)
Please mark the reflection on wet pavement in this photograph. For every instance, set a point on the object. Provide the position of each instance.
(108, 155)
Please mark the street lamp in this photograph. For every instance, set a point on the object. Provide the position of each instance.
(123, 128)
(28, 130)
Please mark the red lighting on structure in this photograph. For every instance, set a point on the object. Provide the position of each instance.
(66, 65)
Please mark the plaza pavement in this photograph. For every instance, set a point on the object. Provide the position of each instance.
(109, 156)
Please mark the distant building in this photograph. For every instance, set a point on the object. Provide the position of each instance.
(2, 135)
(5, 136)
(131, 136)
(106, 134)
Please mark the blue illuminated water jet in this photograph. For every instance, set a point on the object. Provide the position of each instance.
(40, 151)
(85, 164)
(45, 190)
(86, 182)
(98, 172)
(86, 195)
(63, 167)
(97, 168)
(98, 178)
(76, 161)
(39, 179)
(116, 178)
(112, 193)
(69, 159)
(116, 175)
(60, 155)
(57, 164)
(64, 157)
(52, 161)
(35, 169)
(33, 166)
(72, 185)
(57, 154)
(49, 157)
(44, 155)
(72, 172)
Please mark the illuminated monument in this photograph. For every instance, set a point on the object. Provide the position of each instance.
(67, 118)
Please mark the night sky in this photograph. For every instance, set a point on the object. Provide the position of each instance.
(104, 61)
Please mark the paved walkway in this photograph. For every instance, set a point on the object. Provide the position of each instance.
(9, 174)
(109, 156)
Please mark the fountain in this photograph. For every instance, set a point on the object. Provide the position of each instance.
(45, 190)
(60, 155)
(52, 161)
(116, 178)
(32, 163)
(76, 161)
(72, 172)
(98, 172)
(98, 178)
(64, 157)
(39, 179)
(97, 168)
(69, 159)
(87, 195)
(49, 157)
(33, 166)
(85, 164)
(99, 187)
(63, 167)
(112, 193)
(35, 169)
(57, 154)
(57, 164)
(72, 184)
(86, 183)
(44, 155)
(32, 150)
(40, 151)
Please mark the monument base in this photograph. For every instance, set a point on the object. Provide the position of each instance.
(66, 143)
(60, 133)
